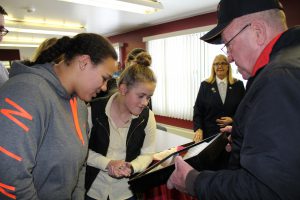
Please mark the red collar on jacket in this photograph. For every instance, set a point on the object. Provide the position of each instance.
(264, 57)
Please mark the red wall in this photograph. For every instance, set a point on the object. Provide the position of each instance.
(134, 39)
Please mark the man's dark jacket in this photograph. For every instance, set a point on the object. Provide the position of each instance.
(265, 160)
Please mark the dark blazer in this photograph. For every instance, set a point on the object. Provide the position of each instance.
(209, 107)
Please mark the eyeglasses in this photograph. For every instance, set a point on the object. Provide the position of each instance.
(221, 63)
(3, 31)
(228, 43)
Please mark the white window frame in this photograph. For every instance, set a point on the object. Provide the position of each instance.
(181, 61)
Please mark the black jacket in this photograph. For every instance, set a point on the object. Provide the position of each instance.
(265, 160)
(209, 107)
(99, 139)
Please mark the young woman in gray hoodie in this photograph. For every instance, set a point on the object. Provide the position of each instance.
(43, 120)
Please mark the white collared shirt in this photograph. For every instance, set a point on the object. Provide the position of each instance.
(222, 87)
(3, 74)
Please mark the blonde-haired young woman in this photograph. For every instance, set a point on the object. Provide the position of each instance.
(122, 141)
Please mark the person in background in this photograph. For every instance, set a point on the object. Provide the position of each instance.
(112, 83)
(3, 32)
(130, 59)
(265, 155)
(122, 141)
(111, 88)
(43, 46)
(118, 73)
(217, 100)
(43, 119)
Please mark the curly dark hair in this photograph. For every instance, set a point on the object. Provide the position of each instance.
(94, 45)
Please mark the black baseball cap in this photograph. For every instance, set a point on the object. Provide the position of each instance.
(228, 10)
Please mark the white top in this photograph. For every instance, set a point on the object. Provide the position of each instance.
(3, 74)
(105, 185)
(222, 87)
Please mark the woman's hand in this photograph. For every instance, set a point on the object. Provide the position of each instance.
(114, 168)
(224, 121)
(198, 135)
(127, 170)
(119, 168)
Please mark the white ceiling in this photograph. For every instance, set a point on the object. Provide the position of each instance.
(105, 21)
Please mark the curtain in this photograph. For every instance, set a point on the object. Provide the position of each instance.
(180, 64)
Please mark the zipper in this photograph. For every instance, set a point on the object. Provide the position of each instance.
(133, 132)
(98, 121)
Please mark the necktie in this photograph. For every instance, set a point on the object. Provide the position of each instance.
(222, 90)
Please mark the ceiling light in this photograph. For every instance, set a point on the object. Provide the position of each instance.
(17, 39)
(42, 26)
(137, 6)
(46, 23)
(40, 31)
(21, 42)
(18, 45)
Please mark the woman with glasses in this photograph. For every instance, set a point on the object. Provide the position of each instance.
(3, 32)
(217, 100)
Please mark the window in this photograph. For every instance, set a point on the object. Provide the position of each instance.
(6, 64)
(180, 63)
(117, 48)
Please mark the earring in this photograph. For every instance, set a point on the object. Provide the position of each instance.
(82, 66)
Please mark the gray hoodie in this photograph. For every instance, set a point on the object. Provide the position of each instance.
(42, 151)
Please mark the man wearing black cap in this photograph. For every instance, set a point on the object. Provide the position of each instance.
(265, 156)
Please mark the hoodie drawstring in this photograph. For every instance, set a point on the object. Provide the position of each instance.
(73, 103)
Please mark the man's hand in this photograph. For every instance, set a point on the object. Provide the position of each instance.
(178, 177)
(227, 129)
